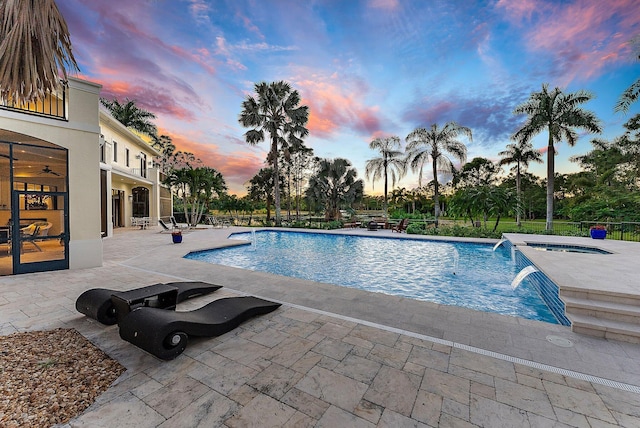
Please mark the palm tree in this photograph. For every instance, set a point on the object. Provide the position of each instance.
(631, 94)
(34, 46)
(335, 186)
(132, 116)
(521, 154)
(275, 111)
(390, 162)
(559, 114)
(434, 144)
(196, 187)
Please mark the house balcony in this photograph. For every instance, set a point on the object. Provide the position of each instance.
(52, 106)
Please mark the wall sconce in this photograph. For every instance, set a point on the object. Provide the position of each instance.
(130, 198)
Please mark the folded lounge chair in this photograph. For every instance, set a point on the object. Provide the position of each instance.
(175, 223)
(165, 333)
(98, 304)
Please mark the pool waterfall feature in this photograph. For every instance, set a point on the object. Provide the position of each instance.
(547, 289)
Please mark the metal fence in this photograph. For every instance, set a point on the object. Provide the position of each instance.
(51, 105)
(625, 231)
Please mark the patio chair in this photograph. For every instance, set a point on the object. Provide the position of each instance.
(29, 234)
(164, 226)
(401, 227)
(175, 223)
(165, 333)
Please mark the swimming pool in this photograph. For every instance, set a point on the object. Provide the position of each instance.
(464, 274)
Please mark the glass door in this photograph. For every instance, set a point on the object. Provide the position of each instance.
(6, 261)
(41, 241)
(39, 209)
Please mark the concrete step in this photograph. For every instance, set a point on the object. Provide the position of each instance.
(614, 311)
(600, 296)
(608, 329)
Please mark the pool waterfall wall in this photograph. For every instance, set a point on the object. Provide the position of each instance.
(546, 289)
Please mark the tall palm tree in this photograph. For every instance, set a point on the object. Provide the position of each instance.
(631, 94)
(390, 162)
(335, 186)
(559, 113)
(434, 144)
(275, 111)
(132, 116)
(520, 154)
(34, 47)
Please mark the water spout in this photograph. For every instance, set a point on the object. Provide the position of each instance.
(254, 244)
(522, 275)
(456, 260)
(500, 242)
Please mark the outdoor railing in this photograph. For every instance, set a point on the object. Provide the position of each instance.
(625, 231)
(52, 105)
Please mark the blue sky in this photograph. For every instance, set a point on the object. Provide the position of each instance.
(365, 68)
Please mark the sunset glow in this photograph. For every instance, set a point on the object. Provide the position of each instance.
(365, 68)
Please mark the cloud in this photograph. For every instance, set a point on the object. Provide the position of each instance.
(384, 4)
(146, 97)
(488, 114)
(237, 167)
(577, 35)
(337, 104)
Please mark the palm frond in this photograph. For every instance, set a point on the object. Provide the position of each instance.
(35, 46)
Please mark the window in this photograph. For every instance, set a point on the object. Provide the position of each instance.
(115, 151)
(126, 157)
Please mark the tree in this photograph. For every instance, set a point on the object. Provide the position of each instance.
(335, 186)
(165, 146)
(34, 46)
(520, 154)
(434, 144)
(132, 116)
(631, 94)
(298, 160)
(390, 162)
(483, 200)
(478, 172)
(196, 187)
(275, 111)
(559, 113)
(262, 186)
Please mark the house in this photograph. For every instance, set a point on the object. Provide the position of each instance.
(72, 173)
(131, 187)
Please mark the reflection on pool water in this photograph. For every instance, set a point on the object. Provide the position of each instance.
(470, 275)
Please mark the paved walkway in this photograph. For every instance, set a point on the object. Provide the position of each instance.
(330, 356)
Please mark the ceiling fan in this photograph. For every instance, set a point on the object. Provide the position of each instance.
(47, 170)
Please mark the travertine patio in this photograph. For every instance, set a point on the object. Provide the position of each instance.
(330, 356)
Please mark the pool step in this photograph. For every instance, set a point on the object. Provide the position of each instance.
(609, 318)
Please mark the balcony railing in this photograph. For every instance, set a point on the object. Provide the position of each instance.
(52, 105)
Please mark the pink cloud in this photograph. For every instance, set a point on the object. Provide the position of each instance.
(334, 108)
(384, 4)
(146, 97)
(237, 167)
(578, 33)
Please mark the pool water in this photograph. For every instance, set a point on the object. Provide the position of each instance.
(469, 275)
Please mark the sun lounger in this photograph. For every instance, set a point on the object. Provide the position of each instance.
(98, 304)
(165, 333)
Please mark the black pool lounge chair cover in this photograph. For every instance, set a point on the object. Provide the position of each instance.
(165, 333)
(96, 303)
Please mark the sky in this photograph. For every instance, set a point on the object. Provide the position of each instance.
(365, 68)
